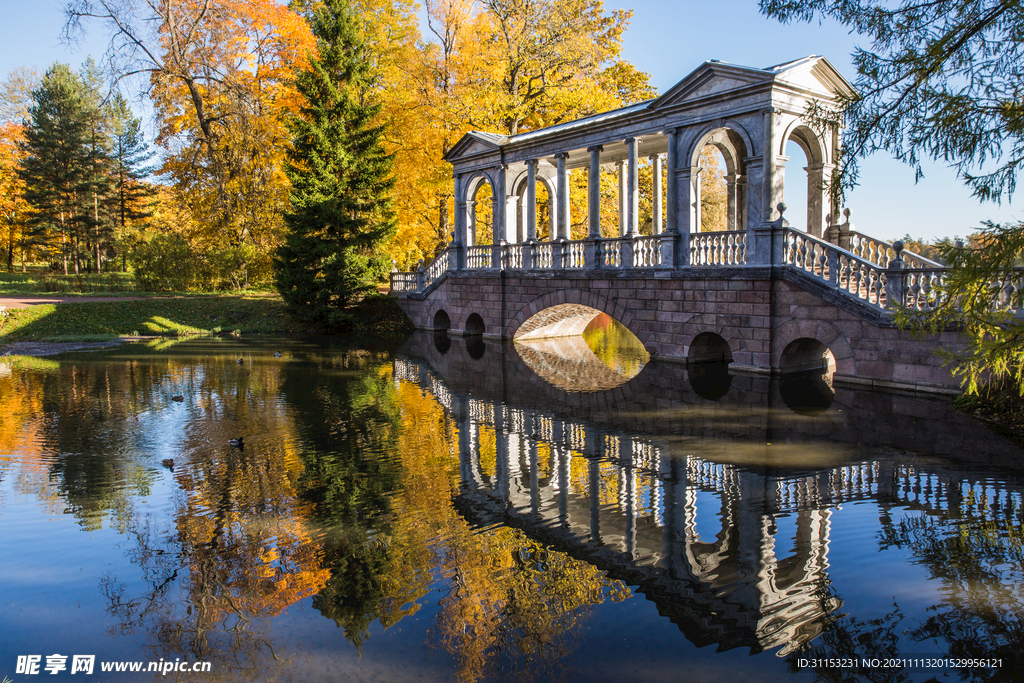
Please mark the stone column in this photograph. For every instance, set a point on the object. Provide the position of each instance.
(594, 191)
(656, 225)
(817, 199)
(633, 191)
(531, 214)
(471, 223)
(563, 222)
(458, 256)
(695, 183)
(675, 246)
(591, 252)
(774, 169)
(531, 200)
(621, 168)
(499, 230)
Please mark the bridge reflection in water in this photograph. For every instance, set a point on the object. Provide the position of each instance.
(699, 536)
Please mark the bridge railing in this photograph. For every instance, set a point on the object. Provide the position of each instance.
(840, 269)
(718, 248)
(478, 257)
(647, 251)
(610, 254)
(881, 252)
(405, 282)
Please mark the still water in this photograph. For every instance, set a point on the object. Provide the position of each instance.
(454, 510)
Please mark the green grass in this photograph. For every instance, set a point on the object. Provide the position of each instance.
(100, 321)
(38, 282)
(378, 315)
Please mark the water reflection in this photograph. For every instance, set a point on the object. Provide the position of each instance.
(503, 521)
(809, 392)
(615, 346)
(710, 381)
(441, 341)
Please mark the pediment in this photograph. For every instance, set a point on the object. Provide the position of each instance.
(817, 74)
(711, 78)
(475, 143)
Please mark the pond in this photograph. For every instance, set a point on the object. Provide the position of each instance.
(454, 509)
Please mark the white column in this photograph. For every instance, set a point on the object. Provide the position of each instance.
(460, 213)
(695, 180)
(594, 191)
(498, 203)
(621, 167)
(633, 209)
(562, 224)
(531, 200)
(656, 222)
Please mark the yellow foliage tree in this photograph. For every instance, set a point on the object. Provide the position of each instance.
(13, 207)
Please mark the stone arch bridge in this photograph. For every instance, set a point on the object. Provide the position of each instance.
(766, 295)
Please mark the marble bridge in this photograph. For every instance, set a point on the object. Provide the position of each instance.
(764, 295)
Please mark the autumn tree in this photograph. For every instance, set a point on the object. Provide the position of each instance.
(16, 94)
(504, 66)
(220, 77)
(13, 206)
(341, 178)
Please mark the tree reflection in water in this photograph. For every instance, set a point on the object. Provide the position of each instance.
(343, 494)
(974, 547)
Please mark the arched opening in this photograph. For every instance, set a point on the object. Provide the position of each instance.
(709, 357)
(474, 325)
(718, 182)
(804, 181)
(544, 194)
(807, 367)
(481, 215)
(475, 336)
(442, 323)
(708, 347)
(806, 354)
(713, 198)
(795, 187)
(578, 348)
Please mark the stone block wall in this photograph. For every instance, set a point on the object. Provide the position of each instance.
(758, 313)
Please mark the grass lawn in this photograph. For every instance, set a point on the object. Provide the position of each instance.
(98, 321)
(38, 282)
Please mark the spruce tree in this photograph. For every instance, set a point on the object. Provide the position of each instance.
(341, 178)
(56, 169)
(129, 154)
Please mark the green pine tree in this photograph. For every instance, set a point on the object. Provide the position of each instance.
(98, 216)
(341, 179)
(57, 168)
(129, 154)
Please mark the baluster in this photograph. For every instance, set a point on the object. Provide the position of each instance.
(927, 284)
(916, 301)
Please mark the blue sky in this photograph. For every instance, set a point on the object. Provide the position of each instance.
(667, 40)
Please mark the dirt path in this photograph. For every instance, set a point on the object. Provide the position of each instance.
(29, 348)
(12, 302)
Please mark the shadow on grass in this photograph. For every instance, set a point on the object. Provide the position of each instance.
(96, 321)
